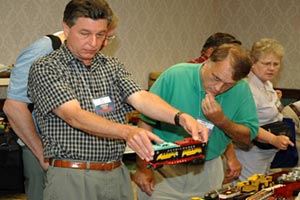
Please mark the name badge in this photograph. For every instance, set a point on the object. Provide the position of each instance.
(210, 126)
(103, 105)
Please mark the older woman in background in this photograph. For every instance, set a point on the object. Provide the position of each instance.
(266, 56)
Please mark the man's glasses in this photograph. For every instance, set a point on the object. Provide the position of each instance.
(110, 38)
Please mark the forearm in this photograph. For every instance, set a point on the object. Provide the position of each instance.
(265, 136)
(229, 152)
(96, 125)
(91, 123)
(22, 123)
(237, 132)
(234, 167)
(156, 108)
(138, 139)
(153, 106)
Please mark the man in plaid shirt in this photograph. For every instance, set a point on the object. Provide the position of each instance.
(80, 100)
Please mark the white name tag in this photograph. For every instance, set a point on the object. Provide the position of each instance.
(103, 105)
(210, 126)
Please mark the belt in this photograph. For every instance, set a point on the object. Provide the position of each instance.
(294, 108)
(83, 165)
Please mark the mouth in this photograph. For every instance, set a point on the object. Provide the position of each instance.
(90, 51)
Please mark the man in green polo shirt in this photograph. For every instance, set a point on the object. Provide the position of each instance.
(215, 92)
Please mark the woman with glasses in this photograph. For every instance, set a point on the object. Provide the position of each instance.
(266, 55)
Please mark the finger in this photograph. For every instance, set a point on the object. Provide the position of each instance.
(152, 184)
(211, 99)
(229, 174)
(204, 134)
(195, 135)
(204, 107)
(145, 188)
(208, 101)
(147, 144)
(291, 143)
(154, 138)
(136, 145)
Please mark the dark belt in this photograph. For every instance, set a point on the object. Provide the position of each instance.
(83, 165)
(293, 107)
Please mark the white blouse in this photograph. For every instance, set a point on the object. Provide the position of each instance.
(266, 100)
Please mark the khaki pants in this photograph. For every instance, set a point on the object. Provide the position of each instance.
(34, 175)
(183, 181)
(77, 184)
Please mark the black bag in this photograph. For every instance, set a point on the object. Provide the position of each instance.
(277, 128)
(287, 158)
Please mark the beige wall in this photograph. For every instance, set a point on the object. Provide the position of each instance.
(155, 34)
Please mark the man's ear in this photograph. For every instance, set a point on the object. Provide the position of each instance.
(209, 51)
(66, 29)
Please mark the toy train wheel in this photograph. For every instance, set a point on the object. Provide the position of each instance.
(261, 186)
(197, 161)
(158, 167)
(149, 166)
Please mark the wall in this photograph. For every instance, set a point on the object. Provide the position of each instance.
(155, 34)
(255, 19)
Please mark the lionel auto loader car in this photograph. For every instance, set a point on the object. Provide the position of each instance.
(186, 150)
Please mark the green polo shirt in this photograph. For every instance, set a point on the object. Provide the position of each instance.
(181, 86)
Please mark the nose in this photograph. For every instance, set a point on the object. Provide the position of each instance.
(93, 41)
(273, 66)
(219, 87)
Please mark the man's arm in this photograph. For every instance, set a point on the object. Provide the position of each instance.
(213, 111)
(234, 167)
(22, 123)
(156, 108)
(279, 141)
(15, 106)
(138, 139)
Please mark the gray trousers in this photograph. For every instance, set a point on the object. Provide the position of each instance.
(183, 181)
(34, 175)
(77, 184)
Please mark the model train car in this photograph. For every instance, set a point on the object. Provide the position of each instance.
(255, 183)
(186, 150)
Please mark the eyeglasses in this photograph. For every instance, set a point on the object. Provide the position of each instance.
(269, 64)
(110, 38)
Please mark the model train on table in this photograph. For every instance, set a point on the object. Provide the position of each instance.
(186, 150)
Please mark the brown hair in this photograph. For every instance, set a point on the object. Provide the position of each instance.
(94, 9)
(218, 39)
(239, 59)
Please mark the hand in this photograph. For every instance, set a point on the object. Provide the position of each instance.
(139, 140)
(281, 142)
(279, 93)
(194, 128)
(44, 165)
(144, 178)
(233, 171)
(212, 109)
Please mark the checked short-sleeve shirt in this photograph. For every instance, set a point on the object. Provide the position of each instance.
(60, 77)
